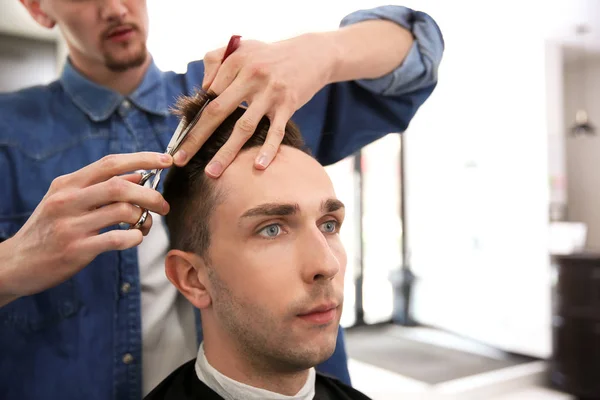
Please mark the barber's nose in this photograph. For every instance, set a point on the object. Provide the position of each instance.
(320, 262)
(113, 9)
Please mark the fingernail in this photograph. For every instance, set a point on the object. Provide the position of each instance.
(165, 206)
(180, 157)
(214, 168)
(165, 158)
(262, 160)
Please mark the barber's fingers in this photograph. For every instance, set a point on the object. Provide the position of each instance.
(236, 65)
(110, 215)
(244, 129)
(111, 166)
(214, 59)
(115, 239)
(112, 240)
(215, 112)
(226, 75)
(212, 63)
(116, 190)
(275, 136)
(135, 177)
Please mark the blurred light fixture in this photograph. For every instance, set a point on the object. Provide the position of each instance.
(582, 125)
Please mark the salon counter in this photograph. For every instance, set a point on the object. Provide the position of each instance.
(575, 364)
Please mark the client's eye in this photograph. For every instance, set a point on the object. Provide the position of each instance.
(270, 231)
(330, 226)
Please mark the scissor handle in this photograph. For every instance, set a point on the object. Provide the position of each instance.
(234, 43)
(141, 221)
(145, 176)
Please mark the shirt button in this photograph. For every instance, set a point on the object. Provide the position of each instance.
(127, 358)
(125, 287)
(125, 106)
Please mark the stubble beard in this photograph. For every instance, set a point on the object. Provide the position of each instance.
(257, 336)
(122, 64)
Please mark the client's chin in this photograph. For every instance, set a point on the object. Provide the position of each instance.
(309, 355)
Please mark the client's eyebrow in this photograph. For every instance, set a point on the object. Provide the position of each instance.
(272, 209)
(284, 209)
(331, 205)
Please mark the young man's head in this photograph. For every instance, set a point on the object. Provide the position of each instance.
(109, 33)
(258, 252)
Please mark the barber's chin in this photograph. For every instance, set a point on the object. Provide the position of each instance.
(120, 63)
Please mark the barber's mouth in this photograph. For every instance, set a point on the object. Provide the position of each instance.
(121, 34)
(320, 315)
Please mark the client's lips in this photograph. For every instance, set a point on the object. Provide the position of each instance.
(322, 314)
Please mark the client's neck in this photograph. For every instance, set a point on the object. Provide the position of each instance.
(251, 370)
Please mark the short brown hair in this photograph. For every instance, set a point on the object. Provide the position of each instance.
(190, 193)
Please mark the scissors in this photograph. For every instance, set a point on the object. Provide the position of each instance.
(178, 137)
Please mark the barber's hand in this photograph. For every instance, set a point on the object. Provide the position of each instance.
(62, 235)
(274, 79)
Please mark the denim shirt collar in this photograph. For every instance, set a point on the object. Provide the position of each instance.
(99, 102)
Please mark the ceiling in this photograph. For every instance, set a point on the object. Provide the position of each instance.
(15, 20)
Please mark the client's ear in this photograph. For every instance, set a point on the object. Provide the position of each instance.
(187, 272)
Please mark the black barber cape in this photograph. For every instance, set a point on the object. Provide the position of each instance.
(183, 384)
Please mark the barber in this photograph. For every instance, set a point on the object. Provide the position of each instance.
(87, 310)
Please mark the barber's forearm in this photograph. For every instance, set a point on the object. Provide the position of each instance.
(367, 50)
(5, 262)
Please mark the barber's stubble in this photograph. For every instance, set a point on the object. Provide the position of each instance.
(116, 62)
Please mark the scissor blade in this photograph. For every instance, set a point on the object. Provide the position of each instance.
(156, 179)
(181, 133)
(175, 138)
(185, 132)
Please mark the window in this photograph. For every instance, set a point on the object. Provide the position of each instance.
(381, 226)
(345, 182)
(372, 232)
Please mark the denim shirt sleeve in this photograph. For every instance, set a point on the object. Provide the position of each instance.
(420, 67)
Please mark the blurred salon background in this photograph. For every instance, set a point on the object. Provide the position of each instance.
(471, 237)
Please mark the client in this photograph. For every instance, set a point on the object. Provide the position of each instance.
(259, 253)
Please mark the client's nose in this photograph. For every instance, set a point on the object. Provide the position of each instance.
(319, 261)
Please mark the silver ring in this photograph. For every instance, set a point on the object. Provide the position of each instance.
(141, 221)
(145, 176)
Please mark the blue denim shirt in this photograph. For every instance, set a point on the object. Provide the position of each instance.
(70, 341)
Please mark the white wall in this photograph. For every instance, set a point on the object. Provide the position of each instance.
(582, 88)
(555, 102)
(184, 30)
(25, 62)
(16, 22)
(477, 179)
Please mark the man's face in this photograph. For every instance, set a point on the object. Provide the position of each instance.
(112, 33)
(276, 263)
